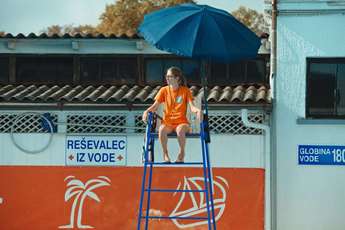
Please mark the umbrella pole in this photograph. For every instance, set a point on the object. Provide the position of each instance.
(204, 85)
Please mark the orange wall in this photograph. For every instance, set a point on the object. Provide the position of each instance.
(34, 197)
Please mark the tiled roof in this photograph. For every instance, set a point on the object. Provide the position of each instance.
(81, 35)
(104, 94)
(68, 36)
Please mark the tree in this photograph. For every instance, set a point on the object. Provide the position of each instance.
(54, 29)
(254, 20)
(2, 33)
(70, 29)
(124, 16)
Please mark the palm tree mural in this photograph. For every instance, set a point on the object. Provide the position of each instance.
(79, 190)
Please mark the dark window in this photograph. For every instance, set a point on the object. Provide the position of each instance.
(325, 88)
(4, 69)
(243, 72)
(108, 69)
(155, 69)
(256, 71)
(44, 69)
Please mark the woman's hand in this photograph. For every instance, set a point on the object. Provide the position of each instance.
(199, 115)
(153, 108)
(144, 118)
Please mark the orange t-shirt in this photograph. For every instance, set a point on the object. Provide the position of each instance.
(175, 101)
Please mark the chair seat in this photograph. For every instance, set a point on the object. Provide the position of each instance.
(174, 135)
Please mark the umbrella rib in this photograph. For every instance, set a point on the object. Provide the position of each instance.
(220, 33)
(236, 28)
(196, 35)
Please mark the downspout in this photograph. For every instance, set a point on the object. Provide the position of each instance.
(272, 161)
(267, 163)
(273, 36)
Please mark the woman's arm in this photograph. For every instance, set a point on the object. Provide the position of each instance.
(196, 110)
(152, 108)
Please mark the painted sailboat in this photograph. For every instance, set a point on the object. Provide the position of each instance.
(196, 202)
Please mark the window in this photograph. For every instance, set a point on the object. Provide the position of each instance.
(108, 69)
(325, 88)
(250, 71)
(43, 69)
(4, 70)
(155, 69)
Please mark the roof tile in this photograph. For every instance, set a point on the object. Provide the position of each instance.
(96, 93)
(107, 93)
(69, 96)
(56, 96)
(84, 93)
(119, 93)
(226, 94)
(38, 91)
(45, 95)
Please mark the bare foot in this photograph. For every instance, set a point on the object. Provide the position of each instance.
(166, 157)
(180, 157)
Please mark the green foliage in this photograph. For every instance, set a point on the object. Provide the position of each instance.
(69, 29)
(257, 22)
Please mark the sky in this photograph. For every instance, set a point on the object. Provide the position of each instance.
(26, 16)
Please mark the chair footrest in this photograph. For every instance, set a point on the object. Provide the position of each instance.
(174, 217)
(174, 190)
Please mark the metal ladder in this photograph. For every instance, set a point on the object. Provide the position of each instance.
(149, 163)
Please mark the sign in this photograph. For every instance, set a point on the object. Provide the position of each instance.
(96, 150)
(104, 198)
(321, 155)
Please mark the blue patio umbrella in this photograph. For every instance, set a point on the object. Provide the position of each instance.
(200, 31)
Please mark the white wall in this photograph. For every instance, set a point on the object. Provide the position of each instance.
(308, 197)
(225, 150)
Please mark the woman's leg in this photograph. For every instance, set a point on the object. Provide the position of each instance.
(181, 131)
(163, 139)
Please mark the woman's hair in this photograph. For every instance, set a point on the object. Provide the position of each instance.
(176, 71)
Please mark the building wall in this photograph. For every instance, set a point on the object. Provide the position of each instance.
(237, 160)
(307, 197)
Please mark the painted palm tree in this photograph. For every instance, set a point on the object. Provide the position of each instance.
(80, 191)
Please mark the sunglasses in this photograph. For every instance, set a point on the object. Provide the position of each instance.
(171, 76)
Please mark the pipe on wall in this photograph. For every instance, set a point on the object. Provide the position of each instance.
(273, 47)
(267, 163)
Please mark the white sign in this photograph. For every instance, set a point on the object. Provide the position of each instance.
(96, 150)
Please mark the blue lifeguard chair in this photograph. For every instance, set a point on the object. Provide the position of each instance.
(149, 163)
